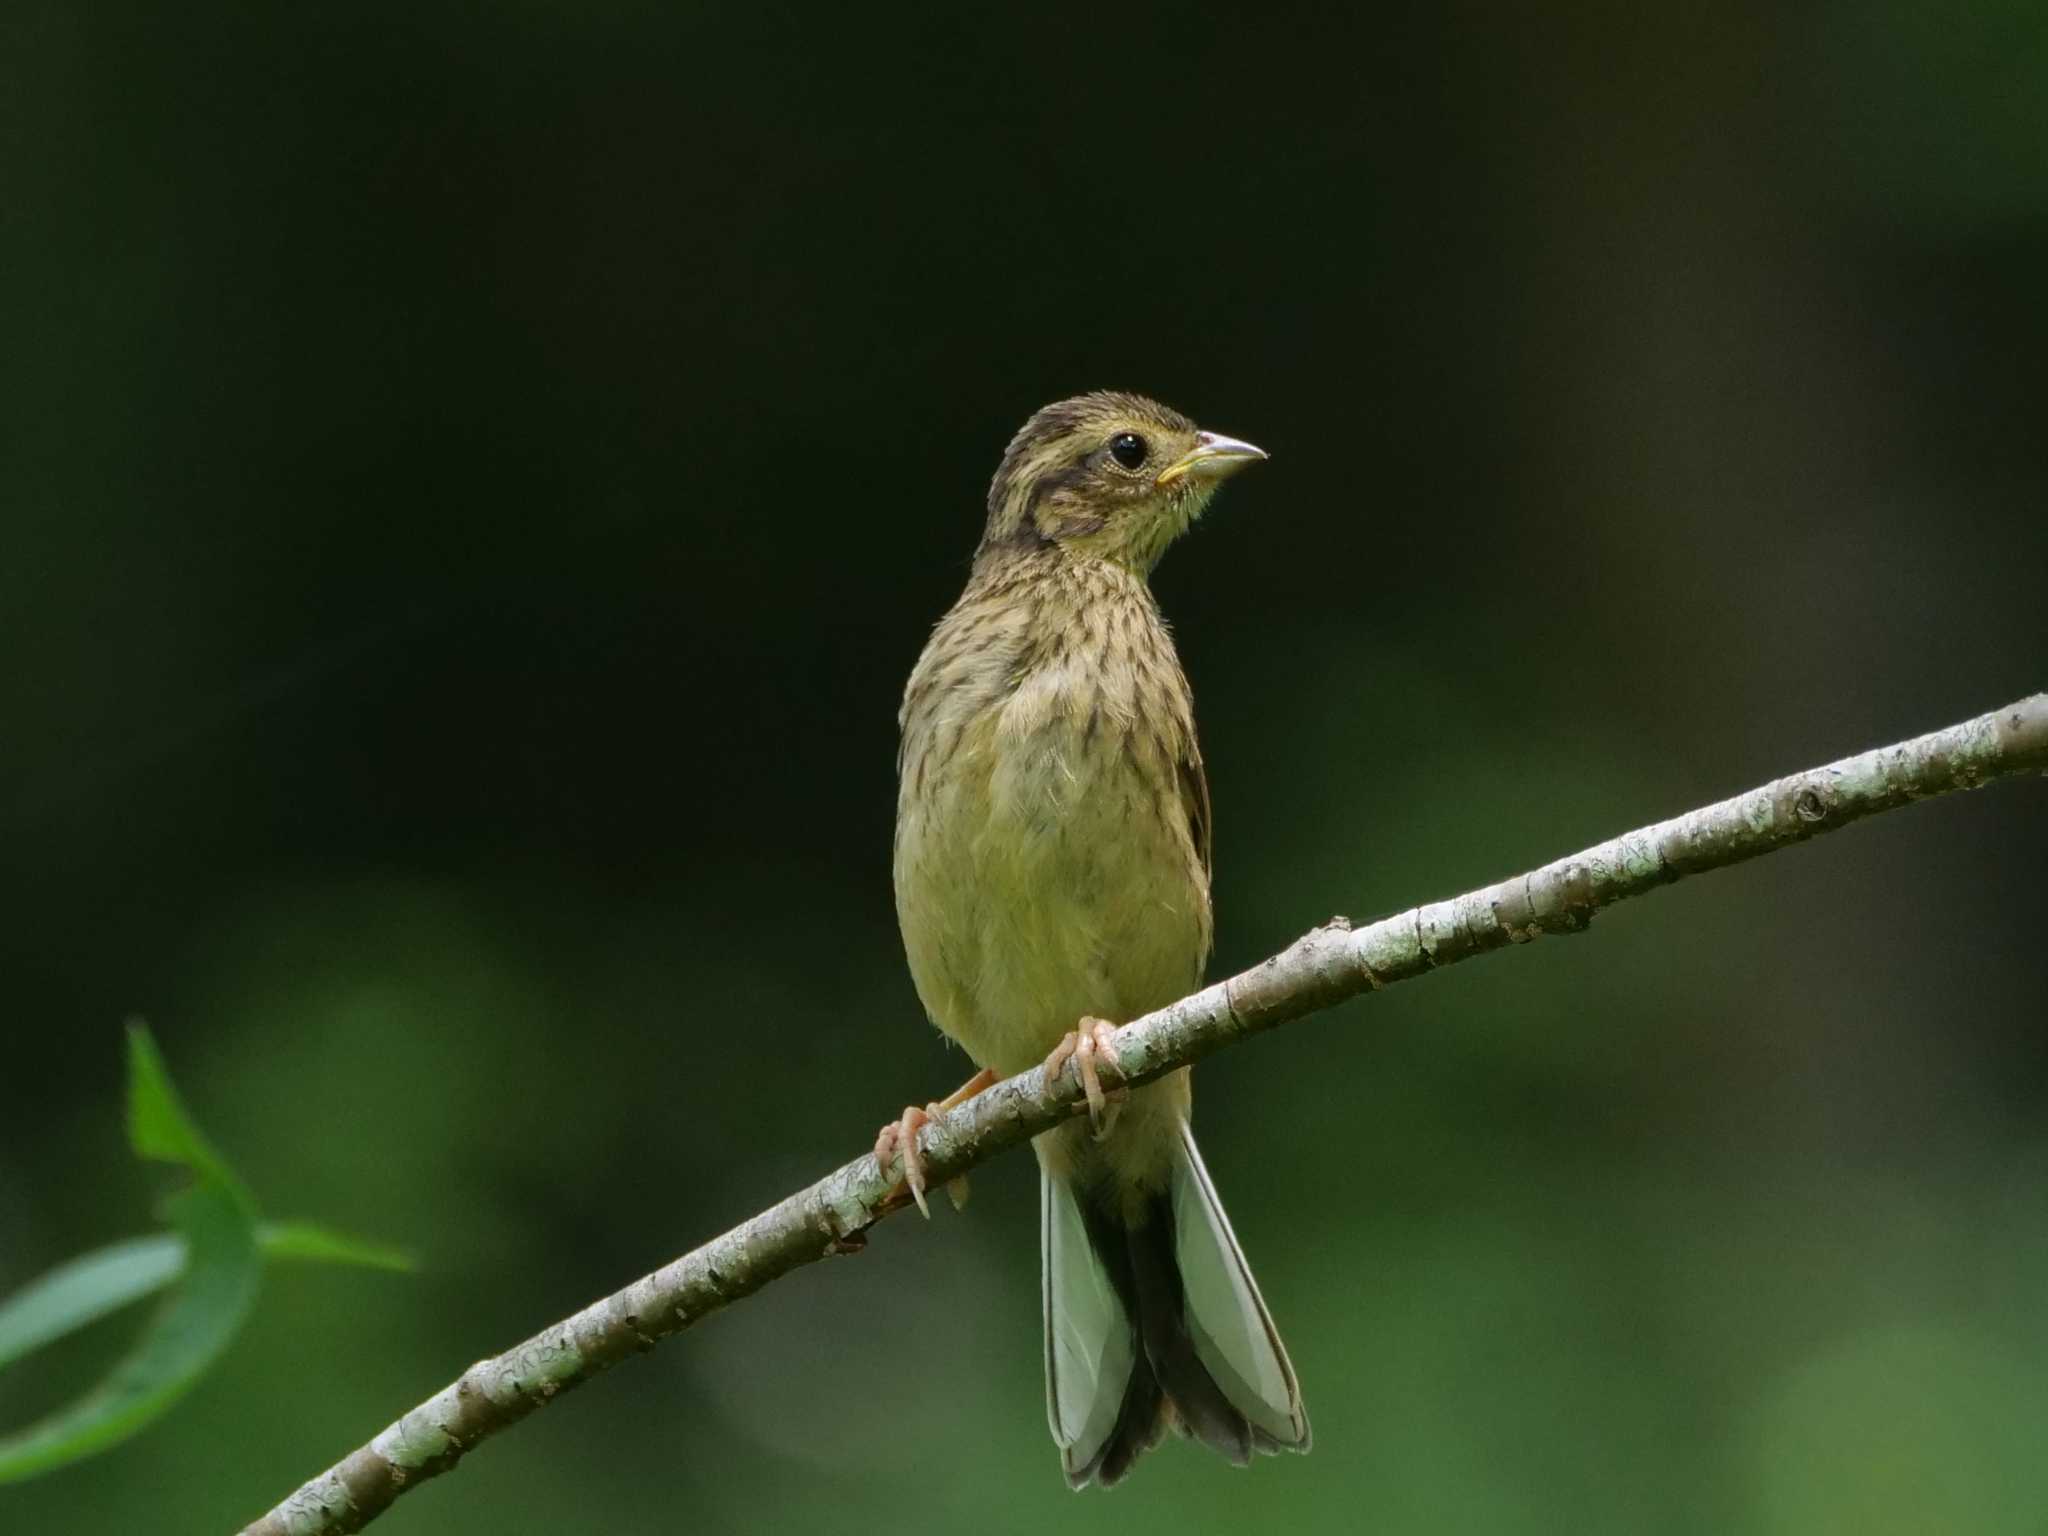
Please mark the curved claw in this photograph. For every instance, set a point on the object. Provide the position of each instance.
(1088, 1048)
(898, 1138)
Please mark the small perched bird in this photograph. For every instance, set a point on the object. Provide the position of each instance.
(1052, 881)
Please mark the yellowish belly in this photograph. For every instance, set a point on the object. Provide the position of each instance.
(1043, 875)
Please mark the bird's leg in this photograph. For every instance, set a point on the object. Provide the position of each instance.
(956, 1188)
(902, 1133)
(898, 1138)
(1088, 1049)
(985, 1078)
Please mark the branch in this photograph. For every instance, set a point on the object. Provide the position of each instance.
(1320, 969)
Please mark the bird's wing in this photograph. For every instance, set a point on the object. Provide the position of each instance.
(1194, 802)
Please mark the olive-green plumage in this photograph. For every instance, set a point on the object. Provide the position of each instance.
(1052, 867)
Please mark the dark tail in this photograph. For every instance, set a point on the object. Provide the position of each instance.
(1155, 1322)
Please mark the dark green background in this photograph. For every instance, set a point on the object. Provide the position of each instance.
(474, 479)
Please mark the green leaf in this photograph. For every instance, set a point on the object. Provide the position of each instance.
(85, 1289)
(216, 1219)
(323, 1245)
(159, 1126)
(194, 1326)
(215, 1258)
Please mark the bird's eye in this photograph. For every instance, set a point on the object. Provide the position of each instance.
(1128, 449)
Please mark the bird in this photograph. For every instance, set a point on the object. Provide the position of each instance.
(1052, 873)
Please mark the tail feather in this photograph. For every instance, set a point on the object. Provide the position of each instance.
(1140, 1424)
(1154, 1320)
(1090, 1350)
(1204, 1410)
(1233, 1333)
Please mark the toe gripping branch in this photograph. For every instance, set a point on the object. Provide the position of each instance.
(898, 1139)
(1088, 1048)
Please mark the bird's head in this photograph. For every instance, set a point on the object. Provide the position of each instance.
(1109, 476)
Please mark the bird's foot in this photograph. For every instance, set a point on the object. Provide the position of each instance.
(1088, 1049)
(898, 1138)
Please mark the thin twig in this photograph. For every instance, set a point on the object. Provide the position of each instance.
(1324, 967)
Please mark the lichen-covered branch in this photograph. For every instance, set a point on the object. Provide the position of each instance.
(1324, 967)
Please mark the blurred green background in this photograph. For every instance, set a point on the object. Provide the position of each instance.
(474, 479)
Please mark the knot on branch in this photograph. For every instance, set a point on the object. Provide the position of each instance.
(1813, 802)
(1562, 897)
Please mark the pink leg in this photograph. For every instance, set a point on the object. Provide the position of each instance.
(898, 1138)
(1087, 1047)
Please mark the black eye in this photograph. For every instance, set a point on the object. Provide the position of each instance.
(1128, 449)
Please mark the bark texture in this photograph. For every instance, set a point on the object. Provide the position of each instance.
(1326, 966)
